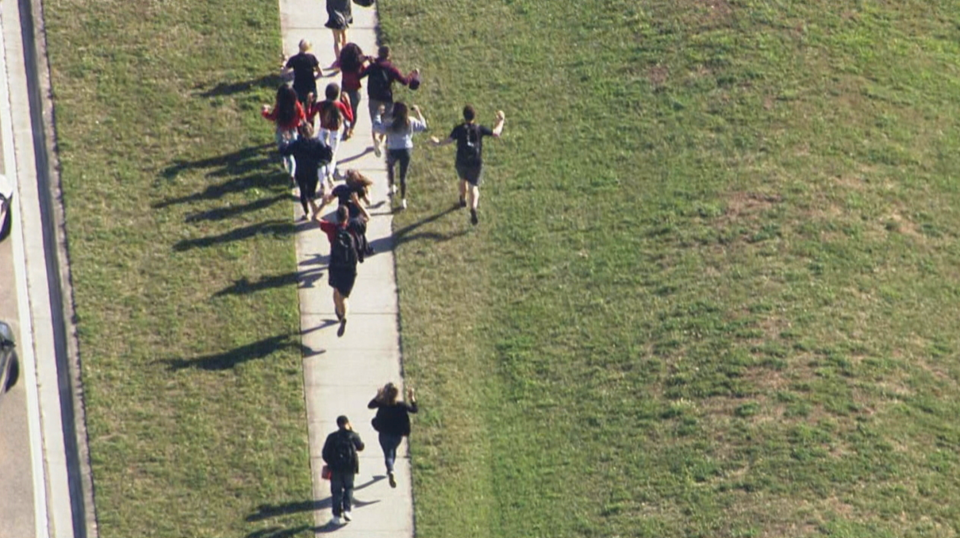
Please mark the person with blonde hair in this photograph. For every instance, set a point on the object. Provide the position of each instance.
(392, 422)
(306, 68)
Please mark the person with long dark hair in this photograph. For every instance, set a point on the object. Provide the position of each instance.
(339, 18)
(392, 422)
(381, 74)
(399, 136)
(310, 154)
(352, 62)
(287, 114)
(334, 114)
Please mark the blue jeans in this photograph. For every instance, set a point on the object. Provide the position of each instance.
(389, 444)
(289, 164)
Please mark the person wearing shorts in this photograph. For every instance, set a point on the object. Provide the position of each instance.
(339, 18)
(469, 161)
(342, 279)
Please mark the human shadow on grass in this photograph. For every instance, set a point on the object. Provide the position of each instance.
(223, 213)
(224, 88)
(274, 227)
(244, 286)
(405, 234)
(230, 164)
(229, 359)
(267, 511)
(239, 183)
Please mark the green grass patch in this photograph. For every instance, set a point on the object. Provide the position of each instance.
(713, 291)
(180, 236)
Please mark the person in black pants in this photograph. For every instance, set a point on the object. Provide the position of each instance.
(310, 153)
(340, 454)
(392, 422)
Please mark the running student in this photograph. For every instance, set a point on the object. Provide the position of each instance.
(469, 162)
(399, 132)
(392, 422)
(355, 183)
(352, 62)
(381, 74)
(287, 115)
(339, 18)
(310, 154)
(306, 68)
(345, 253)
(340, 454)
(334, 113)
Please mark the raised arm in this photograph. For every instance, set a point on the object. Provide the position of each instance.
(498, 128)
(434, 141)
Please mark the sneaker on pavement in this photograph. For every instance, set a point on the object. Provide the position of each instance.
(343, 327)
(376, 149)
(393, 479)
(473, 217)
(347, 516)
(337, 520)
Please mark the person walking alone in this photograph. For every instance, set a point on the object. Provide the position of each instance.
(340, 454)
(399, 132)
(392, 422)
(469, 162)
(310, 154)
(345, 253)
(381, 74)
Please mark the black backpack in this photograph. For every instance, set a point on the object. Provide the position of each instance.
(343, 455)
(379, 85)
(343, 250)
(471, 150)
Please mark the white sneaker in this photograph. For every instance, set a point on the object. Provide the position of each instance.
(403, 203)
(393, 189)
(337, 520)
(347, 516)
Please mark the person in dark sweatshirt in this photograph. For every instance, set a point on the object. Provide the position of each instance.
(392, 422)
(340, 454)
(310, 153)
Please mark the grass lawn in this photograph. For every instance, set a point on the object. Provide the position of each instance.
(713, 291)
(180, 232)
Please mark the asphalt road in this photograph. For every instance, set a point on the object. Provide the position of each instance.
(16, 480)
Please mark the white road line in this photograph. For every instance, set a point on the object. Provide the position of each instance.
(25, 347)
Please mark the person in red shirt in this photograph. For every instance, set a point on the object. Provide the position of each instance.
(334, 114)
(287, 114)
(352, 62)
(344, 255)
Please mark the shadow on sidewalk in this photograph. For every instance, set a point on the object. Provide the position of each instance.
(368, 149)
(260, 349)
(267, 511)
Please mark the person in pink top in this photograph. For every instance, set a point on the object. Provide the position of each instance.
(287, 114)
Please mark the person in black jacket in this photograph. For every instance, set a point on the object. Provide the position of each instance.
(392, 422)
(310, 153)
(340, 454)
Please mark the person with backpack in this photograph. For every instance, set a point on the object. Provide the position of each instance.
(306, 68)
(381, 74)
(352, 62)
(392, 422)
(355, 188)
(340, 454)
(346, 251)
(469, 161)
(287, 114)
(339, 18)
(333, 113)
(399, 132)
(310, 154)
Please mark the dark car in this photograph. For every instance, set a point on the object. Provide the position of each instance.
(6, 211)
(9, 366)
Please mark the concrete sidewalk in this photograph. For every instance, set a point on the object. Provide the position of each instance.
(342, 374)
